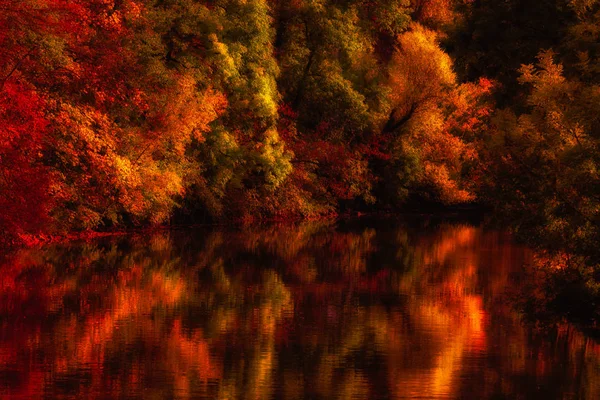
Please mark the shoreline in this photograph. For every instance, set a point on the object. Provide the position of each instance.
(41, 240)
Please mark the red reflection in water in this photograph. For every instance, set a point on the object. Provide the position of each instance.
(285, 312)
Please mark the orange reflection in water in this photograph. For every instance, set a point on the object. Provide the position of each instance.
(310, 311)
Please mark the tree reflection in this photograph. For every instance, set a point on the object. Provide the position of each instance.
(308, 311)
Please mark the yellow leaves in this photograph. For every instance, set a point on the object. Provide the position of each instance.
(265, 96)
(125, 172)
(424, 93)
(447, 189)
(550, 88)
(227, 63)
(131, 172)
(555, 100)
(546, 73)
(159, 189)
(275, 159)
(551, 150)
(420, 48)
(428, 124)
(420, 72)
(442, 156)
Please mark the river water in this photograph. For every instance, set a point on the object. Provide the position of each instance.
(387, 309)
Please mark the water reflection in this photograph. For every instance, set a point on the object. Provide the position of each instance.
(386, 310)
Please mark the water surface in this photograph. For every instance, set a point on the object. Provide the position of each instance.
(354, 310)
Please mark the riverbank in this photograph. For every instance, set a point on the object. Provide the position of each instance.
(465, 212)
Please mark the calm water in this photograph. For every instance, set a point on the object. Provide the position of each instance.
(385, 310)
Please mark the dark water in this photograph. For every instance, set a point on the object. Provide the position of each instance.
(386, 310)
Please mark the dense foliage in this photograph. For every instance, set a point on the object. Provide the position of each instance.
(134, 112)
(129, 112)
(541, 155)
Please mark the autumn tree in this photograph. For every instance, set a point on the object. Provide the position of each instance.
(128, 112)
(433, 13)
(28, 32)
(552, 149)
(541, 159)
(492, 39)
(242, 156)
(427, 151)
(121, 118)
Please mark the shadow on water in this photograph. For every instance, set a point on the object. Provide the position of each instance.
(379, 309)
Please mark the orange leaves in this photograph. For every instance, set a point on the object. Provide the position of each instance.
(186, 112)
(120, 121)
(420, 77)
(420, 72)
(447, 188)
(470, 108)
(436, 121)
(435, 13)
(244, 108)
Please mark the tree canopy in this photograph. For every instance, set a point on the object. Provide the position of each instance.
(126, 113)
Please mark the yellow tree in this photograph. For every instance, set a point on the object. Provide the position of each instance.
(427, 156)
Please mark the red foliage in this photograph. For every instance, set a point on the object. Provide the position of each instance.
(24, 184)
(377, 147)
